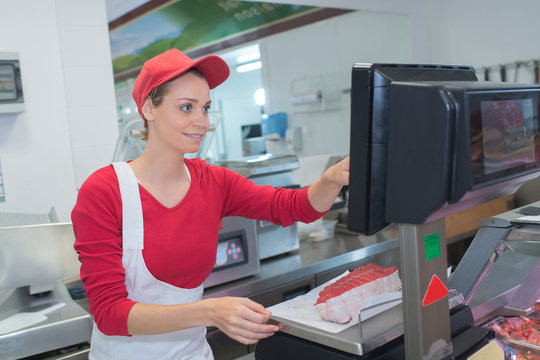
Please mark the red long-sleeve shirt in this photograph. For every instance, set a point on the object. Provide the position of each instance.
(179, 243)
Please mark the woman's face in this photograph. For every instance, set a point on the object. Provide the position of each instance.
(181, 120)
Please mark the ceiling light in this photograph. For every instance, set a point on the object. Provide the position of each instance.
(260, 98)
(248, 57)
(249, 66)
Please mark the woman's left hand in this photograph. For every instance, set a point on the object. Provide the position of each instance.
(323, 193)
(339, 173)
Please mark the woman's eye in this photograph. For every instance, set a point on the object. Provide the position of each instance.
(185, 107)
(206, 109)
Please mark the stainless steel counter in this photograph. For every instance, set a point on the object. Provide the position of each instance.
(310, 259)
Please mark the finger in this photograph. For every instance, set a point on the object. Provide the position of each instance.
(250, 335)
(253, 327)
(346, 179)
(258, 313)
(254, 306)
(346, 163)
(256, 318)
(244, 340)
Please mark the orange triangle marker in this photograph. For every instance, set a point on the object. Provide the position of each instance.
(435, 291)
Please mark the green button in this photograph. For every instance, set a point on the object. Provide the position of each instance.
(432, 245)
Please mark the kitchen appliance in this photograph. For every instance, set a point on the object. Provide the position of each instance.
(253, 146)
(237, 254)
(252, 140)
(274, 170)
(430, 141)
(37, 313)
(11, 92)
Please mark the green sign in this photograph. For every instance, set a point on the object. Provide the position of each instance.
(432, 246)
(191, 24)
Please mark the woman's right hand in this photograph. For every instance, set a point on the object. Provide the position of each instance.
(240, 318)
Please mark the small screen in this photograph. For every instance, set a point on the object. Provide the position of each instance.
(504, 136)
(8, 90)
(251, 131)
(230, 252)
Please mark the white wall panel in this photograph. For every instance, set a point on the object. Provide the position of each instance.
(329, 49)
(88, 79)
(34, 145)
(53, 38)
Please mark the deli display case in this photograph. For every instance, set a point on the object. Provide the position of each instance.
(499, 277)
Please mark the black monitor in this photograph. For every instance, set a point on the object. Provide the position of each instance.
(251, 131)
(423, 136)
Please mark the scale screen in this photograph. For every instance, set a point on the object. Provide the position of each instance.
(231, 251)
(504, 134)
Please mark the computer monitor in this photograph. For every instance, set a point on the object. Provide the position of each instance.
(423, 136)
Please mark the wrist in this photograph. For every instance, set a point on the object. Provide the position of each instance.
(207, 310)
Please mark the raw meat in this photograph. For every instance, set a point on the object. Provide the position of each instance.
(518, 328)
(341, 301)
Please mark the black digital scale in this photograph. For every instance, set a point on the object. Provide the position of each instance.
(426, 141)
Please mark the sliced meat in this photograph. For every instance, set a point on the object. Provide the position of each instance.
(518, 328)
(341, 301)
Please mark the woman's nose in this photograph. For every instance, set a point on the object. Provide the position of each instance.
(201, 120)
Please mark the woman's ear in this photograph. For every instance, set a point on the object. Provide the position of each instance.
(147, 109)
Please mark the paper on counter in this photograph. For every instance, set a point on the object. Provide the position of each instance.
(302, 310)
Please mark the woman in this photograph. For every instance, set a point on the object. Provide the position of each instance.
(146, 231)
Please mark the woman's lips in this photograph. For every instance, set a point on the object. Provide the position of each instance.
(194, 137)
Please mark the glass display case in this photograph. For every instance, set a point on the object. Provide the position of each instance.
(499, 277)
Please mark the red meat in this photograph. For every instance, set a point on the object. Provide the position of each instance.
(342, 300)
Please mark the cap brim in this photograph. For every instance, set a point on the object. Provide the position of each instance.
(214, 68)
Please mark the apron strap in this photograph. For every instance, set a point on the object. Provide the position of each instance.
(132, 215)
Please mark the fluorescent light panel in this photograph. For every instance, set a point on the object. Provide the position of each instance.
(248, 57)
(249, 66)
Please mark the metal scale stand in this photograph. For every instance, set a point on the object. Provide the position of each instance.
(423, 256)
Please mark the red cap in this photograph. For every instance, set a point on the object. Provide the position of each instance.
(168, 65)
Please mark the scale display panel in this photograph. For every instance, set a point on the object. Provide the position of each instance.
(504, 134)
(231, 250)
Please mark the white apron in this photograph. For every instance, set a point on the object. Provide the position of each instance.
(145, 288)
